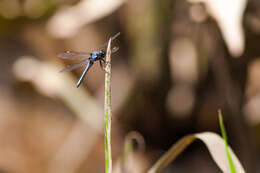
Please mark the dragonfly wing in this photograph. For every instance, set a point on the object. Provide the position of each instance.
(72, 55)
(115, 49)
(74, 66)
(112, 38)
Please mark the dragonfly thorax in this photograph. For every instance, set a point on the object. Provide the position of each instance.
(97, 55)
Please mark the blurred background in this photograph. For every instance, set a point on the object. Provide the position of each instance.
(178, 62)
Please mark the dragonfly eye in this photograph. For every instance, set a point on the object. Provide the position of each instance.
(102, 52)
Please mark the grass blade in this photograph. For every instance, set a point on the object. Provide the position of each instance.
(224, 136)
(108, 111)
(172, 154)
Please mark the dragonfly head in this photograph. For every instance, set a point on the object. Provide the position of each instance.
(102, 53)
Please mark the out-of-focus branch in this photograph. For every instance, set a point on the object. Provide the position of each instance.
(71, 19)
(232, 95)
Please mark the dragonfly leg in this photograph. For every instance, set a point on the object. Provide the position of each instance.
(101, 63)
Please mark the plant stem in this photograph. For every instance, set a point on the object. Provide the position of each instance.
(108, 112)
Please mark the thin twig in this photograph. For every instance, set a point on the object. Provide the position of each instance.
(108, 112)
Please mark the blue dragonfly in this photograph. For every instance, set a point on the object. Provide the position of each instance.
(98, 55)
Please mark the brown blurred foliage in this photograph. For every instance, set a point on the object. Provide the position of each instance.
(174, 69)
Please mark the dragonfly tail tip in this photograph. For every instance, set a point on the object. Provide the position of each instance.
(78, 84)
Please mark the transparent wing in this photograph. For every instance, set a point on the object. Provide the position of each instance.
(112, 38)
(115, 49)
(73, 55)
(74, 66)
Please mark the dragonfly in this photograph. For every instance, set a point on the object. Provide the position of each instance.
(98, 55)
